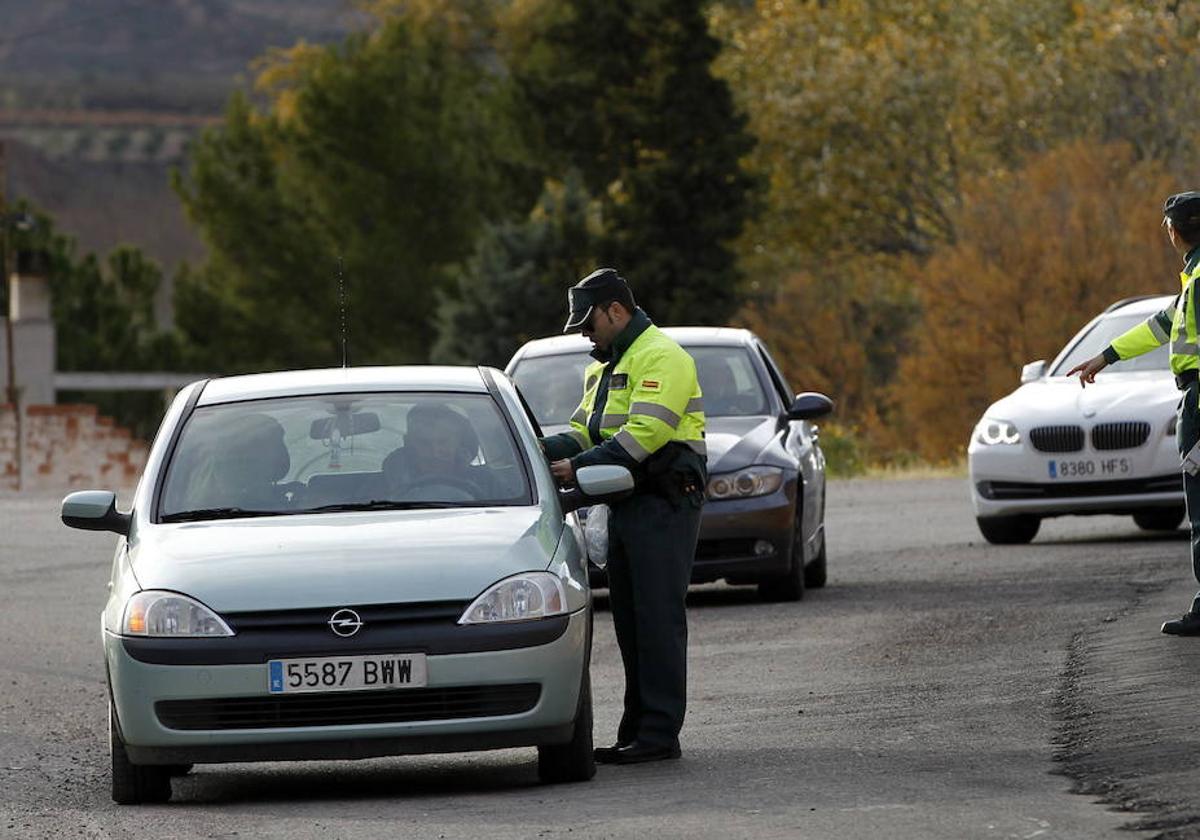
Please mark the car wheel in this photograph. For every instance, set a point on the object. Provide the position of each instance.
(174, 770)
(1159, 519)
(790, 585)
(1009, 530)
(814, 571)
(133, 784)
(572, 761)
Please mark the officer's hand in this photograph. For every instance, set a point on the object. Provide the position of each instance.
(564, 472)
(1088, 370)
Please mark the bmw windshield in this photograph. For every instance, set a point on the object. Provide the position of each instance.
(1100, 336)
(343, 452)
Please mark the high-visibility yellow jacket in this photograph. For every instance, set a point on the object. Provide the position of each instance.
(1176, 323)
(638, 397)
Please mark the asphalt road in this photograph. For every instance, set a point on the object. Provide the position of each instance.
(938, 687)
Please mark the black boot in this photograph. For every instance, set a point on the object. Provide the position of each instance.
(1186, 625)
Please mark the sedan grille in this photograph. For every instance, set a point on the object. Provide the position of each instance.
(1057, 438)
(349, 708)
(1120, 435)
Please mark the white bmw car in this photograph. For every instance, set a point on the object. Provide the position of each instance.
(1051, 448)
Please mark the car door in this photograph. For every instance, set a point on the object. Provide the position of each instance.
(802, 444)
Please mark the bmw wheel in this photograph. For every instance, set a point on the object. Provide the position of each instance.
(133, 784)
(814, 570)
(1159, 519)
(1009, 530)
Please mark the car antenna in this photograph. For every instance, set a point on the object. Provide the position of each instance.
(342, 309)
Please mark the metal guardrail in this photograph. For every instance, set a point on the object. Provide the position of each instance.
(86, 381)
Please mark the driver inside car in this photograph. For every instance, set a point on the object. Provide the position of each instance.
(435, 462)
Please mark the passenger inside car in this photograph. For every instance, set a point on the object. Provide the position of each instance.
(438, 458)
(242, 468)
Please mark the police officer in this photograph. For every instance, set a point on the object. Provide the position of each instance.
(641, 409)
(1177, 324)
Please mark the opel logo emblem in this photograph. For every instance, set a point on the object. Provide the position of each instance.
(345, 622)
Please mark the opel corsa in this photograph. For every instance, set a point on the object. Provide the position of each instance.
(339, 564)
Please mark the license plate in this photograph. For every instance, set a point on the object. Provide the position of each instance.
(346, 673)
(1084, 469)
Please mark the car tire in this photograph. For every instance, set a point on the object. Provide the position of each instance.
(1009, 530)
(176, 770)
(1159, 519)
(790, 585)
(814, 571)
(573, 761)
(134, 784)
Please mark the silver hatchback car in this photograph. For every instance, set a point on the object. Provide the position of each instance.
(338, 564)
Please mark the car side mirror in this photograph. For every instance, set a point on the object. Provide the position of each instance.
(809, 406)
(95, 510)
(597, 484)
(1033, 371)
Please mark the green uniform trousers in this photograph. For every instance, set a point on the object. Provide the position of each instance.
(1187, 433)
(652, 544)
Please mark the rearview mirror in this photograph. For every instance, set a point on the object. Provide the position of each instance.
(600, 483)
(348, 425)
(95, 510)
(1033, 371)
(809, 406)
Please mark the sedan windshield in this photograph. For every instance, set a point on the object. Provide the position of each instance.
(343, 452)
(1100, 336)
(553, 385)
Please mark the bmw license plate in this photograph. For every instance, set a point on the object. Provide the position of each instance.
(346, 673)
(1084, 469)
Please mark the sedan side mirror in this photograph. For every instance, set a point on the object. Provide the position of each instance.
(809, 406)
(593, 485)
(1033, 371)
(95, 510)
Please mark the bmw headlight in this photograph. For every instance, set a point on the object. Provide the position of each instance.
(752, 481)
(518, 598)
(170, 615)
(991, 432)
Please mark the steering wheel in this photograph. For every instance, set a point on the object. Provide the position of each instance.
(461, 490)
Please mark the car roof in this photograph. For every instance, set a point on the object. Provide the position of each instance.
(558, 344)
(288, 383)
(1146, 305)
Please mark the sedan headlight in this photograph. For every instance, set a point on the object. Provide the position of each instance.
(518, 598)
(752, 481)
(171, 615)
(991, 431)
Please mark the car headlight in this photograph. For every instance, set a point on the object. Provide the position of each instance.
(991, 431)
(169, 614)
(752, 481)
(518, 598)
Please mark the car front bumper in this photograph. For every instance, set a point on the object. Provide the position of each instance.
(547, 716)
(1011, 480)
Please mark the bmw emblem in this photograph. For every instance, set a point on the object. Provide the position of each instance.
(345, 622)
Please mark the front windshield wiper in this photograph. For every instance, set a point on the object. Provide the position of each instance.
(384, 504)
(216, 513)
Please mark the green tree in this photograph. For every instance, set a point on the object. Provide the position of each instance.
(387, 152)
(624, 92)
(513, 288)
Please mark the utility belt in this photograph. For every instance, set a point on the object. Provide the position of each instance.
(675, 472)
(1188, 377)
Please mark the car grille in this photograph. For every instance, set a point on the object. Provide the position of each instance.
(1057, 438)
(1075, 489)
(348, 708)
(1120, 435)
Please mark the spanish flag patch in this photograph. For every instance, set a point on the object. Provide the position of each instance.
(651, 385)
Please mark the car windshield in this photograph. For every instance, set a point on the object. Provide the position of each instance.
(1101, 335)
(553, 385)
(343, 452)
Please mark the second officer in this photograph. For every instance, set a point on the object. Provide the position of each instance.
(641, 409)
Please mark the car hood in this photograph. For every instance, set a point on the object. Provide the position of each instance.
(1114, 397)
(333, 559)
(733, 442)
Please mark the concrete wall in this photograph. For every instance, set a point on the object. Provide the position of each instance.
(68, 447)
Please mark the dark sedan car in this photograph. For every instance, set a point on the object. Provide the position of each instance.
(765, 519)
